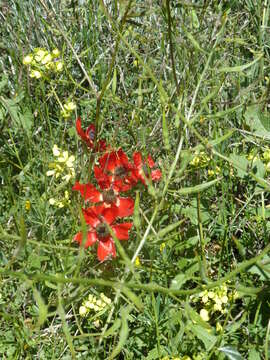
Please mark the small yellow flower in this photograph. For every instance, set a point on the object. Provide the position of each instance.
(70, 106)
(56, 151)
(137, 261)
(204, 315)
(59, 66)
(97, 323)
(47, 59)
(27, 60)
(52, 201)
(83, 310)
(27, 205)
(162, 247)
(50, 172)
(55, 53)
(40, 54)
(35, 74)
(218, 327)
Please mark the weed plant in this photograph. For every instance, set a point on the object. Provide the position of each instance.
(185, 81)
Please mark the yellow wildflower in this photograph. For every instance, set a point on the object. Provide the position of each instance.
(35, 74)
(27, 205)
(59, 66)
(137, 261)
(204, 315)
(27, 60)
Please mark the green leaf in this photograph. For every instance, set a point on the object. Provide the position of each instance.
(178, 281)
(197, 188)
(42, 307)
(115, 326)
(27, 120)
(258, 121)
(231, 353)
(3, 82)
(208, 339)
(123, 334)
(253, 355)
(240, 68)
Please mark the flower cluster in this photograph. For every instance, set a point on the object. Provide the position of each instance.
(41, 62)
(214, 300)
(200, 159)
(60, 203)
(68, 108)
(62, 166)
(93, 304)
(264, 157)
(114, 175)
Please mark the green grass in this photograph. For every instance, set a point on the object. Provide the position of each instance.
(187, 82)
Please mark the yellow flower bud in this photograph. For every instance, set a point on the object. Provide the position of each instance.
(27, 205)
(204, 315)
(27, 60)
(83, 310)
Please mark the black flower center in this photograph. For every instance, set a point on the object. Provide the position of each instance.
(102, 231)
(109, 196)
(120, 171)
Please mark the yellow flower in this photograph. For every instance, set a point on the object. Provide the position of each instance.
(56, 151)
(39, 54)
(59, 66)
(27, 205)
(35, 74)
(47, 59)
(218, 327)
(27, 60)
(137, 261)
(70, 106)
(55, 53)
(162, 247)
(83, 310)
(204, 315)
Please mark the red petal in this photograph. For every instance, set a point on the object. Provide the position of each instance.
(88, 192)
(123, 159)
(108, 161)
(91, 217)
(102, 179)
(121, 230)
(109, 215)
(137, 158)
(150, 161)
(90, 239)
(106, 248)
(80, 132)
(156, 175)
(125, 206)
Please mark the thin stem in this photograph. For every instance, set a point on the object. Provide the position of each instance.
(171, 45)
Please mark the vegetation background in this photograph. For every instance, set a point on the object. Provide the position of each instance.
(187, 82)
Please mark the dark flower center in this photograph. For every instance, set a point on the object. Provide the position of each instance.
(120, 171)
(102, 231)
(91, 135)
(109, 196)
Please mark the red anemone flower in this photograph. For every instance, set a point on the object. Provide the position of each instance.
(122, 206)
(116, 171)
(88, 136)
(98, 217)
(143, 168)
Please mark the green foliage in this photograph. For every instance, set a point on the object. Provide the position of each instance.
(188, 83)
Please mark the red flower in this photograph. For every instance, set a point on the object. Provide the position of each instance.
(115, 171)
(97, 217)
(142, 168)
(122, 206)
(88, 136)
